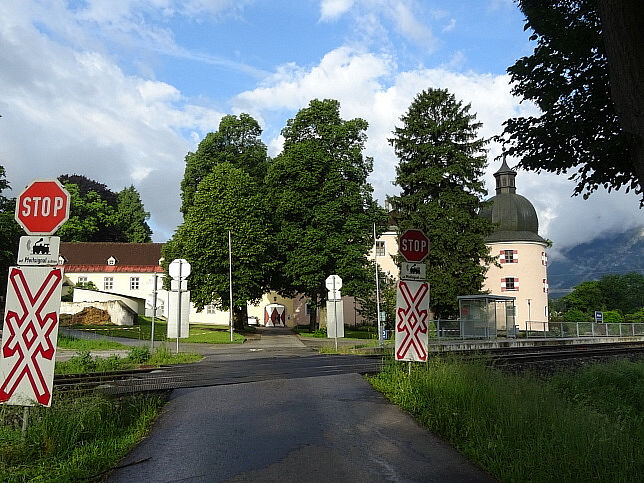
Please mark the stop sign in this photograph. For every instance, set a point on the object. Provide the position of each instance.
(413, 245)
(42, 207)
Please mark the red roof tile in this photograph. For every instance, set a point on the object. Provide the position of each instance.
(96, 254)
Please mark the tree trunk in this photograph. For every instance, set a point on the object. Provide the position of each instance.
(240, 314)
(623, 34)
(313, 314)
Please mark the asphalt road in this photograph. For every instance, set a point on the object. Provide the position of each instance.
(296, 429)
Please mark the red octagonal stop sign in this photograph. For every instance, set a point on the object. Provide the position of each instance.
(42, 207)
(413, 245)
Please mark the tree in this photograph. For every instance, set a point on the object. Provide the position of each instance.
(10, 232)
(97, 214)
(323, 204)
(131, 216)
(226, 199)
(567, 77)
(587, 297)
(91, 218)
(237, 142)
(441, 165)
(366, 303)
(623, 35)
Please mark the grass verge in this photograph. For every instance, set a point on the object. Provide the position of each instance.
(83, 362)
(76, 439)
(586, 425)
(73, 343)
(142, 330)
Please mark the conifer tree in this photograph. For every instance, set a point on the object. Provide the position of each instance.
(441, 164)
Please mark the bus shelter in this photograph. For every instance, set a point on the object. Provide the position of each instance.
(482, 316)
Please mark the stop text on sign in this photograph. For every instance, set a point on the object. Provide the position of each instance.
(41, 206)
(414, 245)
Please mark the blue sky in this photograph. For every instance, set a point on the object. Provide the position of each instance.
(121, 90)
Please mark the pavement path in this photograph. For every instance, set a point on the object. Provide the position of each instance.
(303, 429)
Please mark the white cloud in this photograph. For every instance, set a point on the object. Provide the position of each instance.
(332, 9)
(78, 112)
(450, 26)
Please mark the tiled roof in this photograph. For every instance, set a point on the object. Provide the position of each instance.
(112, 268)
(96, 254)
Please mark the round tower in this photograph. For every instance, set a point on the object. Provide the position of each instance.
(520, 251)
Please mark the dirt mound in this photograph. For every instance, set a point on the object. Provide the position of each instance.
(90, 316)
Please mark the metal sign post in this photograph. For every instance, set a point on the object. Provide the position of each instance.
(375, 254)
(179, 270)
(230, 281)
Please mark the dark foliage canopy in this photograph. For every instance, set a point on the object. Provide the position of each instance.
(567, 77)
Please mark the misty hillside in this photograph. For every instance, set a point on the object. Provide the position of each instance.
(618, 253)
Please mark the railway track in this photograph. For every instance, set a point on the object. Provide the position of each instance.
(213, 373)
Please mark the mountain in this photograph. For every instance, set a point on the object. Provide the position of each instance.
(617, 253)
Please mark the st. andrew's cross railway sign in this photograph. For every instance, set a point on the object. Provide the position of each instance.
(29, 336)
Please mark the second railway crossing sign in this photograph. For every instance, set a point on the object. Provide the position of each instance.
(412, 311)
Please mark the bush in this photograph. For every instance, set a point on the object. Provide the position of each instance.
(139, 354)
(613, 316)
(635, 317)
(576, 315)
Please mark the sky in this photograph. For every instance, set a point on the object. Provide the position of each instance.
(121, 90)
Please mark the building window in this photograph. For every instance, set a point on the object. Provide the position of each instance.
(544, 259)
(545, 285)
(509, 284)
(210, 309)
(134, 283)
(380, 248)
(108, 283)
(509, 256)
(307, 309)
(111, 261)
(81, 280)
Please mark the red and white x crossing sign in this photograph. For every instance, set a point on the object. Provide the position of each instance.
(30, 334)
(412, 309)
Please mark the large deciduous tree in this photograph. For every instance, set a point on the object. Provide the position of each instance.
(223, 189)
(226, 199)
(441, 165)
(323, 203)
(578, 131)
(237, 142)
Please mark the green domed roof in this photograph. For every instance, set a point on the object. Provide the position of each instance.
(515, 215)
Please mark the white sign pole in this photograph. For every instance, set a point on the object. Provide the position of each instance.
(335, 316)
(375, 254)
(179, 304)
(154, 309)
(230, 278)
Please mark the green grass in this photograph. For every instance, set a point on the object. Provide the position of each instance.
(139, 356)
(66, 342)
(142, 330)
(349, 332)
(77, 439)
(575, 426)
